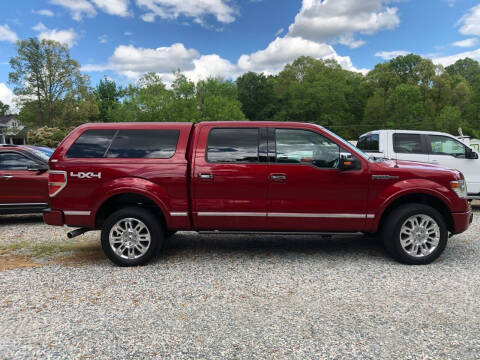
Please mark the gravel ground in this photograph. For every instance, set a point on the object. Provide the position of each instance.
(218, 297)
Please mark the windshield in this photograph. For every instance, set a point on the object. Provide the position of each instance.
(42, 155)
(346, 143)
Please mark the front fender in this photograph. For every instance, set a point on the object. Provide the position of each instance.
(386, 196)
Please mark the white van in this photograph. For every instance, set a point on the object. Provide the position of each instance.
(425, 146)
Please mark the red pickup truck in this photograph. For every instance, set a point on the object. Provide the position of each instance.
(141, 182)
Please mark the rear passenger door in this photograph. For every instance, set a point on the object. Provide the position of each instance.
(410, 147)
(230, 179)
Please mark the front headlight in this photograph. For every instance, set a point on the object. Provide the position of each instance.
(459, 187)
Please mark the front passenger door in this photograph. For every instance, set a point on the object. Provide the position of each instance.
(307, 191)
(452, 154)
(18, 185)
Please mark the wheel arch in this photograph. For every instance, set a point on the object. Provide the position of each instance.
(126, 199)
(421, 198)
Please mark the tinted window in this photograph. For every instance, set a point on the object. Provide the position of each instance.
(154, 144)
(91, 144)
(306, 147)
(14, 161)
(232, 145)
(368, 143)
(444, 145)
(407, 143)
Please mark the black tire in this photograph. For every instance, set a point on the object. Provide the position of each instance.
(150, 222)
(390, 233)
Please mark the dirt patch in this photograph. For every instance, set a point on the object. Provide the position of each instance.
(21, 255)
(9, 261)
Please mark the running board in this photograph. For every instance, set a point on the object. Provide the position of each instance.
(227, 232)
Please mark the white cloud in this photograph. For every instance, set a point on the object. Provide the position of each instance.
(103, 39)
(7, 96)
(337, 21)
(113, 7)
(466, 43)
(68, 36)
(470, 22)
(450, 59)
(132, 62)
(128, 33)
(77, 8)
(279, 32)
(284, 50)
(40, 27)
(6, 34)
(211, 66)
(196, 9)
(388, 55)
(349, 41)
(43, 12)
(450, 3)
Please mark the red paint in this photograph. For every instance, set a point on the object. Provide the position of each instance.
(22, 186)
(315, 195)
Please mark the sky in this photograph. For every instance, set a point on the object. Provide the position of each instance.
(123, 39)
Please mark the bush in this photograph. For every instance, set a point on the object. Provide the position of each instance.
(47, 136)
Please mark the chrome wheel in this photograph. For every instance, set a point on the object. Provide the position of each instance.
(129, 238)
(419, 235)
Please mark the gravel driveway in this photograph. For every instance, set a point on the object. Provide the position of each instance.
(224, 297)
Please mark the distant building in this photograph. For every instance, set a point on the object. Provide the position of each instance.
(475, 144)
(11, 130)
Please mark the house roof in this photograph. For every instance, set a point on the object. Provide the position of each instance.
(5, 119)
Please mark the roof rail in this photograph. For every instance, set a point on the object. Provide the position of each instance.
(9, 145)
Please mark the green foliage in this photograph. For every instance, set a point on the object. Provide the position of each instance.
(47, 136)
(108, 99)
(4, 108)
(407, 92)
(44, 71)
(257, 96)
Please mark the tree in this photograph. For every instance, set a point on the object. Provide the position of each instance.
(4, 108)
(218, 100)
(406, 111)
(108, 99)
(256, 93)
(404, 67)
(44, 71)
(467, 68)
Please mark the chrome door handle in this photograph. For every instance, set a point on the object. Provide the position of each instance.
(434, 161)
(278, 177)
(6, 177)
(205, 176)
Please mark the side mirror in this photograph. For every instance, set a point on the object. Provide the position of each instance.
(471, 154)
(37, 167)
(350, 163)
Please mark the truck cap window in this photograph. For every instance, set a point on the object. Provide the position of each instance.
(152, 144)
(232, 145)
(408, 144)
(306, 147)
(91, 144)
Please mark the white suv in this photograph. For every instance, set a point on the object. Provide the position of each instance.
(425, 146)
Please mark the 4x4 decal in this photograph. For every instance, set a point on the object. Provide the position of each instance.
(86, 175)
